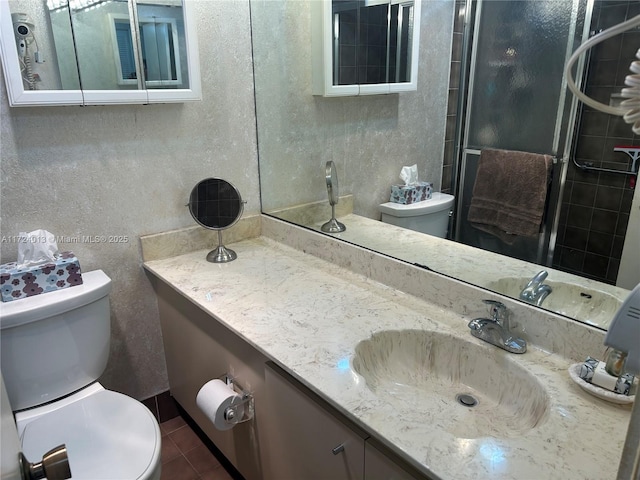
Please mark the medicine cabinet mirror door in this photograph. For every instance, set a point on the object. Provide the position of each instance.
(365, 47)
(92, 52)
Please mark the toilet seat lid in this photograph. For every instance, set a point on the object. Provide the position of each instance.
(108, 436)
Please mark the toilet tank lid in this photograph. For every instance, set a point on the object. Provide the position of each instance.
(437, 203)
(95, 285)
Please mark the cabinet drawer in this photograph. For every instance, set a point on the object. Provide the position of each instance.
(305, 439)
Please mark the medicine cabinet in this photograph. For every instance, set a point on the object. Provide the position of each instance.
(364, 47)
(99, 52)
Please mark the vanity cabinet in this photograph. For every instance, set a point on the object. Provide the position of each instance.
(294, 434)
(309, 439)
(199, 348)
(378, 464)
(364, 48)
(62, 52)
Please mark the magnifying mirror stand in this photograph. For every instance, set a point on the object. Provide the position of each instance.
(333, 225)
(221, 254)
(217, 205)
(331, 177)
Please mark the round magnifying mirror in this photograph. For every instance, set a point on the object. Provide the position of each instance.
(331, 177)
(217, 205)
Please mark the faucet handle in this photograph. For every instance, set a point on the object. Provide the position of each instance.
(538, 278)
(497, 309)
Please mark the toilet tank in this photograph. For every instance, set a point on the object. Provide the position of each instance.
(429, 216)
(55, 343)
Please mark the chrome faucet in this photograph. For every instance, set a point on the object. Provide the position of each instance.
(497, 330)
(535, 291)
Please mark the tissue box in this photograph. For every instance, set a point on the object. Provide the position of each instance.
(406, 194)
(17, 283)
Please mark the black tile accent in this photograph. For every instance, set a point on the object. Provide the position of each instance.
(452, 103)
(583, 194)
(454, 75)
(458, 22)
(618, 245)
(608, 198)
(623, 222)
(571, 259)
(619, 128)
(456, 49)
(152, 405)
(612, 272)
(595, 123)
(630, 42)
(600, 243)
(609, 49)
(163, 406)
(603, 221)
(596, 265)
(590, 148)
(575, 238)
(167, 406)
(579, 216)
(604, 73)
(611, 14)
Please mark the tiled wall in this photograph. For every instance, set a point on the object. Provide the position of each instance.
(363, 50)
(596, 206)
(448, 164)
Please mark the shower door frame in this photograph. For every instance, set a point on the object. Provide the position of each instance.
(547, 239)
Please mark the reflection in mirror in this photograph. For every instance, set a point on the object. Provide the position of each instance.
(99, 52)
(373, 137)
(44, 42)
(333, 190)
(107, 46)
(217, 205)
(363, 47)
(162, 37)
(372, 41)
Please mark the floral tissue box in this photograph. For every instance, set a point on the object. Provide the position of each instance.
(17, 283)
(407, 194)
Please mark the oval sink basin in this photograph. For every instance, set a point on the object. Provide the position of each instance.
(439, 377)
(576, 301)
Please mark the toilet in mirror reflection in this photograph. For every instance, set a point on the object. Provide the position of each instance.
(429, 216)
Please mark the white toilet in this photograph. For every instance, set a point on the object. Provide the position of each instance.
(429, 216)
(54, 346)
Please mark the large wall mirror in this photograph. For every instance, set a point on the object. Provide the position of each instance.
(91, 52)
(589, 217)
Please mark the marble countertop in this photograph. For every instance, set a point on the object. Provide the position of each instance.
(308, 315)
(475, 266)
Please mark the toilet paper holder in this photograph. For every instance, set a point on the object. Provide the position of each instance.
(231, 413)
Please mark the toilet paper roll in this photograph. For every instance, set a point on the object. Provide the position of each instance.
(214, 399)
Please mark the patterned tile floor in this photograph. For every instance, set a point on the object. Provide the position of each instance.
(185, 456)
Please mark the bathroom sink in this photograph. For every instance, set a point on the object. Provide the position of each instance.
(470, 390)
(586, 304)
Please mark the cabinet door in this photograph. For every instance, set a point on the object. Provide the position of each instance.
(63, 52)
(306, 441)
(378, 465)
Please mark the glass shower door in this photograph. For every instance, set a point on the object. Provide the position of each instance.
(517, 99)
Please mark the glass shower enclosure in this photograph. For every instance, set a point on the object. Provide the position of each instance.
(515, 98)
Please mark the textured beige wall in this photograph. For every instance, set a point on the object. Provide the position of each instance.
(128, 170)
(369, 138)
